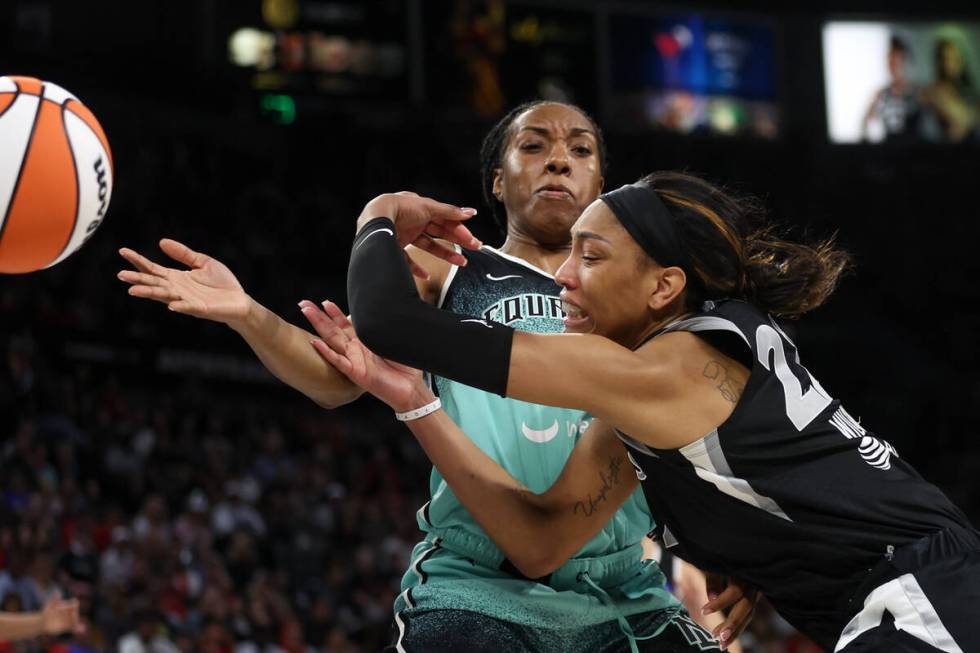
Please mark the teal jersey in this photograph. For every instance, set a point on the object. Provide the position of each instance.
(532, 442)
(458, 566)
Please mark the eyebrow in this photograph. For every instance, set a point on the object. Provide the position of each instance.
(574, 131)
(590, 235)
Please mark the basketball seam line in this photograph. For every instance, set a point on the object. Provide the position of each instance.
(105, 146)
(17, 94)
(20, 171)
(78, 182)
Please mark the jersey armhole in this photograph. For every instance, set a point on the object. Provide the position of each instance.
(448, 281)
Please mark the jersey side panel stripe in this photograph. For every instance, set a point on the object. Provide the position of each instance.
(710, 464)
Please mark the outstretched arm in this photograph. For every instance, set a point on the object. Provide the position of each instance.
(209, 290)
(596, 480)
(57, 616)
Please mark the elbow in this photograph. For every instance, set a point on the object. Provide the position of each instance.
(536, 564)
(372, 323)
(534, 560)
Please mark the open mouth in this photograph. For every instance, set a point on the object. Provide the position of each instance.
(575, 317)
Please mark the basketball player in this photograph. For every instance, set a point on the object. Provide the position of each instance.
(543, 163)
(749, 466)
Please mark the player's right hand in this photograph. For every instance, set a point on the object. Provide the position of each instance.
(399, 386)
(422, 222)
(208, 289)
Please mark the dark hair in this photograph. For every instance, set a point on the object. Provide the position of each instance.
(495, 144)
(898, 44)
(738, 254)
(963, 81)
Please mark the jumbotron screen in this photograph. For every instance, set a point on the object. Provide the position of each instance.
(693, 73)
(902, 82)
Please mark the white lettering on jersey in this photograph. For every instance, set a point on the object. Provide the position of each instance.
(875, 452)
(506, 276)
(801, 407)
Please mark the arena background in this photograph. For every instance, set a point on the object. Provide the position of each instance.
(151, 467)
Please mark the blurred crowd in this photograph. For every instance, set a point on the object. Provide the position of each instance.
(187, 521)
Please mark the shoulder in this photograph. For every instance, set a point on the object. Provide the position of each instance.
(671, 357)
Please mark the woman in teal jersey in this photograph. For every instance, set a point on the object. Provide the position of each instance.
(543, 163)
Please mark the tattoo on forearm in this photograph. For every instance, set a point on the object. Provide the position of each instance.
(609, 478)
(729, 388)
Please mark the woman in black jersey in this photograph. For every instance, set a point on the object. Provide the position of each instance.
(748, 464)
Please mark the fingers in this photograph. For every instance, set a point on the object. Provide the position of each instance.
(331, 333)
(182, 253)
(434, 247)
(157, 293)
(142, 263)
(339, 319)
(726, 599)
(417, 270)
(454, 232)
(737, 621)
(140, 278)
(714, 584)
(443, 211)
(341, 363)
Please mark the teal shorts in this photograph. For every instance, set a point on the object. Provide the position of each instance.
(585, 603)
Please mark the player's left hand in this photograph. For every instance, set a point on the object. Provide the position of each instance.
(399, 386)
(420, 221)
(737, 597)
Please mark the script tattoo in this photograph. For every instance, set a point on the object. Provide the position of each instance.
(609, 478)
(730, 389)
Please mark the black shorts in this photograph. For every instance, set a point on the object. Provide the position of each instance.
(453, 631)
(930, 602)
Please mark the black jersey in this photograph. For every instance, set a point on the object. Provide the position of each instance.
(790, 493)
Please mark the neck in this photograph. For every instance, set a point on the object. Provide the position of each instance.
(546, 257)
(655, 326)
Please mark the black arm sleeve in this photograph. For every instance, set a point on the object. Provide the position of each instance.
(395, 323)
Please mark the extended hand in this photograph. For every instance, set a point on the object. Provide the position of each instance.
(736, 596)
(399, 386)
(208, 289)
(60, 616)
(419, 221)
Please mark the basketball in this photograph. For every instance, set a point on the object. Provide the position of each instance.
(56, 174)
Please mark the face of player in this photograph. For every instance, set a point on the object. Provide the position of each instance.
(607, 280)
(896, 65)
(550, 172)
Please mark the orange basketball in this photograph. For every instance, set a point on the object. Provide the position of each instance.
(56, 174)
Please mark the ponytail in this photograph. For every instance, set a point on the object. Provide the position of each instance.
(733, 258)
(788, 278)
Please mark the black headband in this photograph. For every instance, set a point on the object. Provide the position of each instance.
(643, 214)
(648, 221)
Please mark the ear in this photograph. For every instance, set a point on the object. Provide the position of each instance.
(670, 283)
(602, 184)
(498, 184)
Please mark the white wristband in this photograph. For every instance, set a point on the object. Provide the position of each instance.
(427, 409)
